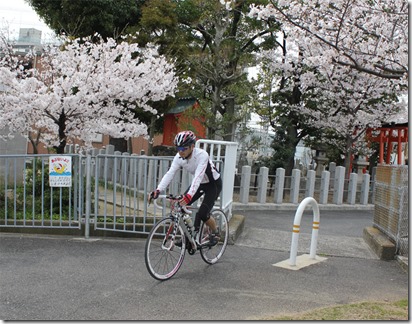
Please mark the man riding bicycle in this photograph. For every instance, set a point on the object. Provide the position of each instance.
(206, 180)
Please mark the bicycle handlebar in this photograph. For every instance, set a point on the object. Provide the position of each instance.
(172, 198)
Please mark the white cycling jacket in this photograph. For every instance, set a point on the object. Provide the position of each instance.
(198, 165)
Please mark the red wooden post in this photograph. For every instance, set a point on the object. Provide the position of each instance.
(389, 150)
(381, 136)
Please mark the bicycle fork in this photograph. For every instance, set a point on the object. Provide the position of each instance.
(169, 240)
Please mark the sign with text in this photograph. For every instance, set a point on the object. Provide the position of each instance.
(60, 171)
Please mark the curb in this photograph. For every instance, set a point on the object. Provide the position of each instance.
(236, 224)
(379, 243)
(239, 207)
(403, 262)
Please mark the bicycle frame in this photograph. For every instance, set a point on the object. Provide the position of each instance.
(163, 257)
(177, 211)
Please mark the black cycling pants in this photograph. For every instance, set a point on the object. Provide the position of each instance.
(211, 190)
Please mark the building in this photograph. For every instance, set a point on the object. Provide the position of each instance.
(29, 40)
(184, 116)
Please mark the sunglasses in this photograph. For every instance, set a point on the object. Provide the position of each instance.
(182, 148)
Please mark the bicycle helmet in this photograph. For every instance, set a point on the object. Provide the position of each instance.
(184, 138)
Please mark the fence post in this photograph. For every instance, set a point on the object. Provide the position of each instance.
(88, 196)
(294, 186)
(332, 169)
(94, 171)
(68, 149)
(324, 187)
(228, 179)
(364, 194)
(100, 172)
(279, 185)
(353, 183)
(110, 162)
(151, 175)
(125, 169)
(262, 184)
(373, 175)
(338, 185)
(245, 184)
(116, 167)
(310, 183)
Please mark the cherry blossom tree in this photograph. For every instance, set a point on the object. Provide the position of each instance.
(344, 103)
(86, 88)
(369, 36)
(348, 60)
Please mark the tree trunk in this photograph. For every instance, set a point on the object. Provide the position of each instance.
(229, 125)
(348, 156)
(35, 142)
(62, 133)
(151, 135)
(294, 141)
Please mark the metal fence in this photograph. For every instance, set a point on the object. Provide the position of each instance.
(391, 214)
(121, 184)
(108, 191)
(27, 199)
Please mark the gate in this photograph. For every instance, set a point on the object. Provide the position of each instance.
(121, 184)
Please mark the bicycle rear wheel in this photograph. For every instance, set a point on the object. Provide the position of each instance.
(210, 254)
(163, 258)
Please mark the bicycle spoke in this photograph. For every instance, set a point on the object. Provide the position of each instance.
(211, 254)
(162, 259)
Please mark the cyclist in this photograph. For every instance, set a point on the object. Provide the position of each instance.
(206, 180)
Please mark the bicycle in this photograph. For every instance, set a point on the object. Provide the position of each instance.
(163, 257)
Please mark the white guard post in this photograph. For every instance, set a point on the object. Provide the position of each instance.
(305, 259)
(226, 152)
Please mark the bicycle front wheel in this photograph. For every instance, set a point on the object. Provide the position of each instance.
(163, 258)
(210, 254)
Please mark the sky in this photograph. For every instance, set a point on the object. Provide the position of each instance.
(18, 14)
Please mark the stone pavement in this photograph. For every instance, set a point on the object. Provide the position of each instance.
(51, 277)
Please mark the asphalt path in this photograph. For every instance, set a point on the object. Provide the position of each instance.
(340, 232)
(70, 278)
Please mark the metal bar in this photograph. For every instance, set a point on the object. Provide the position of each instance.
(24, 191)
(88, 196)
(96, 190)
(5, 191)
(114, 177)
(15, 192)
(105, 193)
(308, 201)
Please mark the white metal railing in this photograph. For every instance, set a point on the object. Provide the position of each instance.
(226, 152)
(28, 200)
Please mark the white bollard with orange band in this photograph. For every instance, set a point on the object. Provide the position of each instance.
(296, 229)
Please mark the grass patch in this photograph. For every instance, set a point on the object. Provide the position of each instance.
(397, 310)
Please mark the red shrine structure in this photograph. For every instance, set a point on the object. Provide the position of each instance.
(388, 135)
(184, 116)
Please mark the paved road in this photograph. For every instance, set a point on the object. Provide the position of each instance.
(340, 232)
(69, 278)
